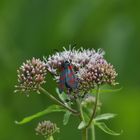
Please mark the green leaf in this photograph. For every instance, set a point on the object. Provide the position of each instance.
(82, 125)
(66, 117)
(62, 96)
(107, 130)
(85, 114)
(85, 121)
(105, 116)
(50, 109)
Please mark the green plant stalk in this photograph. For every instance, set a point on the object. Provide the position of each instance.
(50, 138)
(92, 129)
(75, 112)
(85, 134)
(95, 108)
(85, 130)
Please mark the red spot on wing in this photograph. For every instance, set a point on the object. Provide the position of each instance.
(72, 81)
(61, 87)
(62, 77)
(70, 67)
(70, 75)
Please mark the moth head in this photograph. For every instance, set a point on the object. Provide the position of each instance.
(66, 64)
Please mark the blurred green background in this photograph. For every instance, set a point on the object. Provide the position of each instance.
(35, 27)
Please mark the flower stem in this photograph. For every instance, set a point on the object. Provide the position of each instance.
(75, 112)
(85, 130)
(92, 129)
(95, 108)
(50, 138)
(84, 134)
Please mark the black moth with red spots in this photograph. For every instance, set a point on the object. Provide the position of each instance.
(67, 79)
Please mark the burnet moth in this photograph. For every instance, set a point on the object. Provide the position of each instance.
(67, 79)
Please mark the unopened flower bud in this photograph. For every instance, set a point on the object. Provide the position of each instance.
(31, 75)
(46, 128)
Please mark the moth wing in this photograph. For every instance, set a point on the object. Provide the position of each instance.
(71, 80)
(62, 81)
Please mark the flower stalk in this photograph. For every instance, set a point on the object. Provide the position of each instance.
(85, 134)
(85, 130)
(92, 129)
(90, 123)
(95, 107)
(57, 101)
(50, 138)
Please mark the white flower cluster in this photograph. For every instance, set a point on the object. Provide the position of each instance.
(78, 58)
(89, 66)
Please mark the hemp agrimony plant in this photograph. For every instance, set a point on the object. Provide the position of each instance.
(80, 75)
